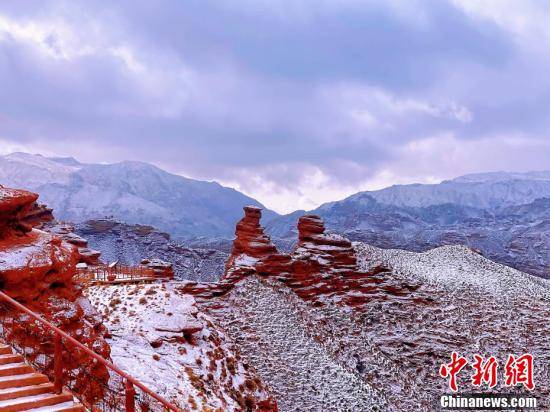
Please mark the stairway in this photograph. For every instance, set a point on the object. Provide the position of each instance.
(23, 389)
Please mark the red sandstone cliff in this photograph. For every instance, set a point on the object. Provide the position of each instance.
(38, 215)
(65, 231)
(37, 268)
(14, 205)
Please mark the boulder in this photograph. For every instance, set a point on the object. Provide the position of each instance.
(162, 269)
(89, 256)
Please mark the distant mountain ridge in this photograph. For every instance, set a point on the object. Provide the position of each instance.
(486, 191)
(502, 176)
(504, 215)
(134, 192)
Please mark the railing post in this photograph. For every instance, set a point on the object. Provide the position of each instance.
(130, 397)
(58, 364)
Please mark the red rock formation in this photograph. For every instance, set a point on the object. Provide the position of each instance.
(14, 205)
(38, 215)
(253, 251)
(320, 262)
(321, 267)
(322, 252)
(21, 211)
(89, 256)
(162, 269)
(250, 237)
(66, 232)
(36, 268)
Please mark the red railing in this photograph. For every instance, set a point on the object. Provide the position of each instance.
(96, 382)
(113, 274)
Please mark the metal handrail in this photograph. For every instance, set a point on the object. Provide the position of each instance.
(130, 381)
(121, 272)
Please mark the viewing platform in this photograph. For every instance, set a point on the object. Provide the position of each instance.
(116, 273)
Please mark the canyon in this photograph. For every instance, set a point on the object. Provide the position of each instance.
(326, 324)
(503, 215)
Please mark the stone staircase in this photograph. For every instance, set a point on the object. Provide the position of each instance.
(23, 389)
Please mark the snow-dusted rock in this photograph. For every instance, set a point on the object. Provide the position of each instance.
(37, 268)
(160, 336)
(130, 244)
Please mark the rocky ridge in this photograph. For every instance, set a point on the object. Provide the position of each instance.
(36, 268)
(320, 273)
(372, 317)
(161, 337)
(321, 267)
(130, 244)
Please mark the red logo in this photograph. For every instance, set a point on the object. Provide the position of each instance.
(485, 372)
(519, 371)
(516, 371)
(452, 369)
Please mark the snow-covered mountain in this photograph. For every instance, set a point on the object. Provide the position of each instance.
(133, 192)
(483, 190)
(502, 176)
(505, 215)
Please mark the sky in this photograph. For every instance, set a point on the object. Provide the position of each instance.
(292, 102)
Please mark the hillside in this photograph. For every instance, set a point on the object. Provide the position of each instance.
(130, 244)
(134, 192)
(335, 327)
(505, 216)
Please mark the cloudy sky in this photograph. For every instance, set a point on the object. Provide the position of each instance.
(294, 102)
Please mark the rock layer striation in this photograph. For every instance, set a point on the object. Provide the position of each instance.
(36, 268)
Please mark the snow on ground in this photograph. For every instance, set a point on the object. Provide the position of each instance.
(386, 352)
(162, 339)
(269, 327)
(245, 261)
(462, 302)
(20, 255)
(34, 249)
(383, 355)
(455, 267)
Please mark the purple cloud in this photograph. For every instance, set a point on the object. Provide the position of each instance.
(293, 102)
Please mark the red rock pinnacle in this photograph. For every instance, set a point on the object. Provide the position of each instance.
(322, 266)
(250, 237)
(252, 249)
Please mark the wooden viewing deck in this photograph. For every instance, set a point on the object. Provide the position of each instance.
(117, 274)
